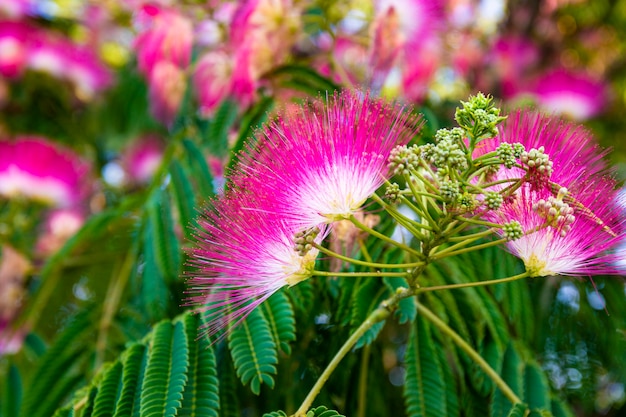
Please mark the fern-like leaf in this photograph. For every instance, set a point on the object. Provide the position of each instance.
(53, 380)
(518, 410)
(184, 196)
(166, 371)
(254, 351)
(369, 294)
(407, 310)
(279, 315)
(200, 397)
(513, 374)
(164, 240)
(12, 393)
(199, 170)
(108, 391)
(135, 360)
(323, 411)
(536, 388)
(424, 388)
(279, 413)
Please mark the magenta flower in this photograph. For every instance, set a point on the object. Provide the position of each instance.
(244, 254)
(212, 80)
(165, 36)
(167, 84)
(142, 158)
(37, 169)
(575, 95)
(320, 163)
(574, 213)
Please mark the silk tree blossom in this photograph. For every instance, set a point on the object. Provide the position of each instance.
(244, 254)
(38, 169)
(320, 163)
(573, 217)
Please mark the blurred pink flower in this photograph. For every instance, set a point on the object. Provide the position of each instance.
(320, 163)
(36, 168)
(572, 94)
(14, 267)
(243, 255)
(510, 59)
(165, 36)
(59, 226)
(212, 80)
(576, 212)
(142, 158)
(25, 46)
(167, 84)
(15, 8)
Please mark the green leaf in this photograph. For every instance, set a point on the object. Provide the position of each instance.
(217, 136)
(164, 241)
(518, 410)
(536, 388)
(323, 411)
(56, 373)
(279, 315)
(253, 351)
(200, 397)
(154, 291)
(513, 374)
(561, 409)
(12, 393)
(407, 310)
(108, 391)
(228, 383)
(165, 378)
(134, 360)
(367, 297)
(424, 388)
(199, 169)
(184, 196)
(279, 413)
(303, 78)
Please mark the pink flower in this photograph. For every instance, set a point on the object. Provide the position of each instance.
(167, 85)
(212, 80)
(142, 158)
(575, 211)
(244, 254)
(60, 225)
(35, 168)
(575, 95)
(13, 49)
(166, 36)
(320, 163)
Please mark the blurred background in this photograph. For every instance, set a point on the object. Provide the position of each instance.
(118, 119)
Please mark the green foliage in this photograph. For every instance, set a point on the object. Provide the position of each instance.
(279, 315)
(254, 351)
(424, 388)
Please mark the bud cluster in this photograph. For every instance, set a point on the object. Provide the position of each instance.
(392, 192)
(304, 240)
(403, 158)
(448, 151)
(512, 230)
(479, 116)
(538, 162)
(558, 214)
(509, 153)
(493, 200)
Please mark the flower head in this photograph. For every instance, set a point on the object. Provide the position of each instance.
(37, 169)
(572, 219)
(320, 163)
(244, 254)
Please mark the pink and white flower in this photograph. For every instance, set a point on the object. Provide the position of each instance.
(142, 158)
(574, 216)
(38, 169)
(320, 163)
(244, 254)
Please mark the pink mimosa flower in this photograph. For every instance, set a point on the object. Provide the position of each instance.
(35, 168)
(575, 213)
(167, 36)
(212, 80)
(575, 95)
(320, 163)
(167, 87)
(142, 158)
(13, 48)
(59, 226)
(244, 254)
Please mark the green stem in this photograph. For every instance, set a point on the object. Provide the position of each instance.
(374, 265)
(474, 284)
(382, 237)
(358, 274)
(464, 346)
(376, 316)
(400, 218)
(362, 391)
(478, 235)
